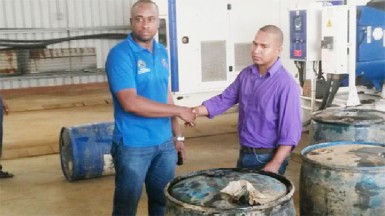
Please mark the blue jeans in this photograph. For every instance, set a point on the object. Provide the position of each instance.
(154, 166)
(258, 161)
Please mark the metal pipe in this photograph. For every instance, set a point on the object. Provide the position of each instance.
(353, 99)
(173, 46)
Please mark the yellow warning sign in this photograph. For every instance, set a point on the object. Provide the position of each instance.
(329, 24)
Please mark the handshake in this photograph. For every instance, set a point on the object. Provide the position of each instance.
(189, 115)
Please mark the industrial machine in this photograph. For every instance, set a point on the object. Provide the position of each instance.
(370, 67)
(347, 50)
(208, 51)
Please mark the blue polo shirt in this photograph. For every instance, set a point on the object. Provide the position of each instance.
(130, 66)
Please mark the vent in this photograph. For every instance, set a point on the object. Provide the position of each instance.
(213, 61)
(242, 55)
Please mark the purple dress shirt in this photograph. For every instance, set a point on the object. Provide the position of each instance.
(269, 107)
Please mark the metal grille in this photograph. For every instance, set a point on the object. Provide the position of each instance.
(213, 61)
(242, 55)
(54, 42)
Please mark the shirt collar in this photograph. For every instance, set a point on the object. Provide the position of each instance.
(272, 70)
(136, 47)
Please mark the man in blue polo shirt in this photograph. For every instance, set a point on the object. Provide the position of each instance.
(269, 123)
(147, 135)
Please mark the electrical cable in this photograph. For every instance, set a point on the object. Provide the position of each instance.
(300, 67)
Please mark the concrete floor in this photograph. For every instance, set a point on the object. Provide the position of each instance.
(31, 153)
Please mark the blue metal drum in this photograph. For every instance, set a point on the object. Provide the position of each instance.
(343, 178)
(85, 151)
(198, 193)
(347, 124)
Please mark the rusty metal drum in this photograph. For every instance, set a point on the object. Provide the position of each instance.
(347, 124)
(343, 178)
(198, 193)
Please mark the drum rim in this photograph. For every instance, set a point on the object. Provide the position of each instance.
(317, 118)
(315, 163)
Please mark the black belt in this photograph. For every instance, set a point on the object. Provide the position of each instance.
(246, 149)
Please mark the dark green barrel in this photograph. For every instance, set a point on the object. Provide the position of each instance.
(198, 193)
(347, 124)
(343, 179)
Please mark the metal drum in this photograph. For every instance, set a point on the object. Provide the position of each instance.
(198, 193)
(347, 124)
(85, 151)
(343, 178)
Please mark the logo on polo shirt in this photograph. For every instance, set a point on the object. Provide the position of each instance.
(142, 68)
(164, 63)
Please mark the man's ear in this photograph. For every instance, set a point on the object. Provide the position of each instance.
(279, 49)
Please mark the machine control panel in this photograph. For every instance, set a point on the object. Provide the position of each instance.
(298, 34)
(305, 34)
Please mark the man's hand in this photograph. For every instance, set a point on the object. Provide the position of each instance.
(179, 146)
(192, 124)
(5, 107)
(272, 167)
(198, 111)
(188, 115)
(279, 156)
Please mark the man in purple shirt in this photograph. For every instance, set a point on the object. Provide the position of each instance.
(269, 124)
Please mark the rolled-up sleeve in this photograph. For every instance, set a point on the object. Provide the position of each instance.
(290, 120)
(222, 102)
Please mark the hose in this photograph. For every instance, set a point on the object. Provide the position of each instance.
(32, 44)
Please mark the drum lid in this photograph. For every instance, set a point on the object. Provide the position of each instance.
(203, 188)
(347, 154)
(351, 116)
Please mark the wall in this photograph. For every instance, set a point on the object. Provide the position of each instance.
(49, 19)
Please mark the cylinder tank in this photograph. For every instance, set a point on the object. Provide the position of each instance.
(343, 178)
(347, 124)
(198, 193)
(85, 151)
